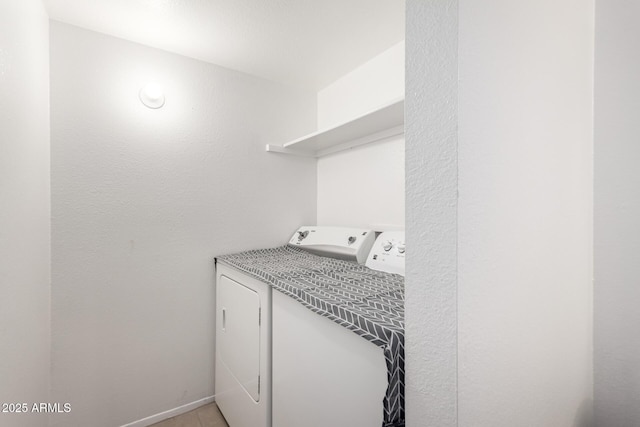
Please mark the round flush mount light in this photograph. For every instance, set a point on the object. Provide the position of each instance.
(152, 95)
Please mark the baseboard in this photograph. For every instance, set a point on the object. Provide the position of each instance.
(170, 413)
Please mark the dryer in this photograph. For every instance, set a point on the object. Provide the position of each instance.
(243, 348)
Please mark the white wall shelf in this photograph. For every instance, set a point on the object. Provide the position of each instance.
(384, 122)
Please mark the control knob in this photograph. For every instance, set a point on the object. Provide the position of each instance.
(401, 248)
(302, 235)
(387, 246)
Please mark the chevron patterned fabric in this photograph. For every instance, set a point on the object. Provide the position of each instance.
(365, 301)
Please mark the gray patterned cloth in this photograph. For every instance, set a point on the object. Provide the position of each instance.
(365, 301)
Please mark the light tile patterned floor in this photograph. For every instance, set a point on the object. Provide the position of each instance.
(205, 416)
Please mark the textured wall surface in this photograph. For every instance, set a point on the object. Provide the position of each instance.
(142, 201)
(499, 199)
(364, 186)
(24, 209)
(431, 191)
(617, 214)
(524, 213)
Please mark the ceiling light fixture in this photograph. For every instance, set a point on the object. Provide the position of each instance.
(152, 96)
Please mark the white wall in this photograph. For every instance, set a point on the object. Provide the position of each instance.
(617, 214)
(524, 212)
(364, 186)
(142, 202)
(431, 171)
(524, 226)
(24, 209)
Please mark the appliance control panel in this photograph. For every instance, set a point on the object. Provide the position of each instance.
(387, 253)
(351, 244)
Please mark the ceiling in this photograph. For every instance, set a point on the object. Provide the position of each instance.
(306, 43)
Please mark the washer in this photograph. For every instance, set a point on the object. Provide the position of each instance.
(324, 374)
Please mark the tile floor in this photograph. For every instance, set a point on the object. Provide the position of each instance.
(204, 416)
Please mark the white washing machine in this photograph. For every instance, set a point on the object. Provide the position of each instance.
(324, 374)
